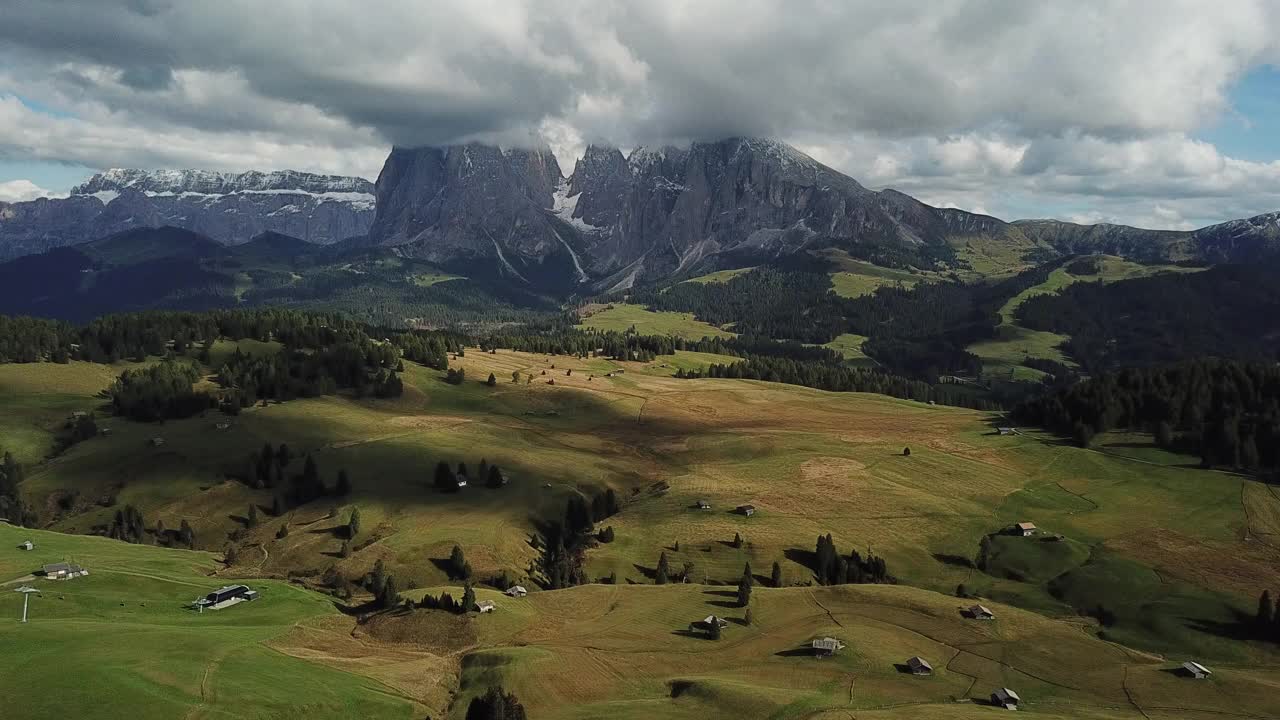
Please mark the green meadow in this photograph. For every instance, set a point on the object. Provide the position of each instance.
(1158, 561)
(122, 642)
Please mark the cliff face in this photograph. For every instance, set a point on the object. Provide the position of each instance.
(653, 214)
(231, 208)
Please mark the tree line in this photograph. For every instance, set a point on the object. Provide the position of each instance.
(842, 378)
(1226, 411)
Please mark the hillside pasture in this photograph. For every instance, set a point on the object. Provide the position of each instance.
(621, 317)
(811, 463)
(122, 642)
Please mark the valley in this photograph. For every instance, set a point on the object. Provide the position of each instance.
(1175, 555)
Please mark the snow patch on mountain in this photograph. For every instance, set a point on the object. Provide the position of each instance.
(563, 206)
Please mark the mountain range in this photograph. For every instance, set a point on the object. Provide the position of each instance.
(230, 208)
(618, 220)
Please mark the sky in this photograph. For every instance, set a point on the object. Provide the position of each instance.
(1156, 113)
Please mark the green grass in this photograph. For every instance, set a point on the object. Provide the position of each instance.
(427, 279)
(720, 276)
(811, 462)
(38, 400)
(621, 317)
(121, 642)
(222, 350)
(850, 346)
(1033, 559)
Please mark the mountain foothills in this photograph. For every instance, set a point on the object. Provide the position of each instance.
(230, 208)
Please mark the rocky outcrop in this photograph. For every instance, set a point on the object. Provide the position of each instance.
(231, 208)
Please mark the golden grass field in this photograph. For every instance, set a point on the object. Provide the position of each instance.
(1177, 552)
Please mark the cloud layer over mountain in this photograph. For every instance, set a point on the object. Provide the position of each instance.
(1001, 105)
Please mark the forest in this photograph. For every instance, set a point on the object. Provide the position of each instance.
(1230, 311)
(1225, 411)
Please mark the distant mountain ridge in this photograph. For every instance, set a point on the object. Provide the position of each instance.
(617, 221)
(228, 207)
(218, 183)
(656, 214)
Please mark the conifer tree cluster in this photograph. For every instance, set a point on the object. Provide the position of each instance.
(496, 704)
(1266, 623)
(11, 505)
(564, 542)
(127, 525)
(832, 568)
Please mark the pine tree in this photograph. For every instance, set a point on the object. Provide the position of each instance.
(389, 596)
(713, 629)
(445, 480)
(378, 578)
(343, 487)
(775, 579)
(252, 520)
(346, 549)
(747, 617)
(495, 477)
(744, 591)
(737, 540)
(459, 568)
(353, 524)
(468, 598)
(492, 381)
(1266, 615)
(661, 577)
(284, 456)
(186, 534)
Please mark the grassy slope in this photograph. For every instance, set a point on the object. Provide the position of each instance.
(121, 642)
(626, 652)
(720, 276)
(812, 463)
(622, 317)
(1002, 357)
(850, 346)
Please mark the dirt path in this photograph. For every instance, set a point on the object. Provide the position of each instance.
(15, 581)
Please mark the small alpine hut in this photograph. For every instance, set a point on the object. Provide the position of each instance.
(1005, 698)
(919, 666)
(1195, 670)
(981, 612)
(747, 510)
(516, 591)
(63, 571)
(826, 646)
(486, 606)
(1007, 430)
(710, 620)
(1025, 529)
(27, 545)
(703, 505)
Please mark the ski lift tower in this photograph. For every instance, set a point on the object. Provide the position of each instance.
(26, 598)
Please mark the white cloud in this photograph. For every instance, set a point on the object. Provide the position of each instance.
(1002, 104)
(23, 190)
